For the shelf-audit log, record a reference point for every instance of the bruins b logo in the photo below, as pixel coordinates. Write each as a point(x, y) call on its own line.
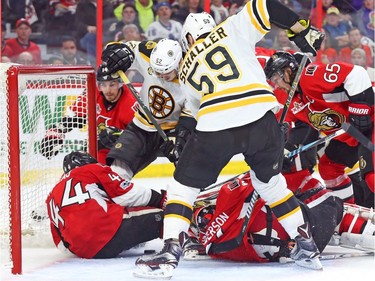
point(161, 102)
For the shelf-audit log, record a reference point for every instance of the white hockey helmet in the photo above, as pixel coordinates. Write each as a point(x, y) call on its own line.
point(196, 24)
point(166, 56)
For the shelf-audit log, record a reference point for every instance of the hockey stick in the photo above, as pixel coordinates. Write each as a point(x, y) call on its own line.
point(293, 88)
point(355, 133)
point(333, 256)
point(141, 103)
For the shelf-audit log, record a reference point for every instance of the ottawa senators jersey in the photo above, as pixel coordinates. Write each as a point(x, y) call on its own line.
point(86, 208)
point(327, 90)
point(165, 100)
point(222, 74)
point(118, 114)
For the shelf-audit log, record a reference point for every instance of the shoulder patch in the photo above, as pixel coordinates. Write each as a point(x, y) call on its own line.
point(146, 47)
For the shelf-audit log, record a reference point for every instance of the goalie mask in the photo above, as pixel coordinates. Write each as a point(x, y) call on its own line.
point(196, 25)
point(166, 56)
point(77, 159)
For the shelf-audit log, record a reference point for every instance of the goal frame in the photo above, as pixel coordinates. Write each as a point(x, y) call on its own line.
point(14, 138)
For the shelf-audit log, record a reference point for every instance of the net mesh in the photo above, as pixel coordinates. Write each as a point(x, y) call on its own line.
point(45, 100)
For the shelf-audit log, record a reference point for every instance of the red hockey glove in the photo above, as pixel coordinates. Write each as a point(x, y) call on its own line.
point(51, 143)
point(118, 56)
point(309, 40)
point(360, 116)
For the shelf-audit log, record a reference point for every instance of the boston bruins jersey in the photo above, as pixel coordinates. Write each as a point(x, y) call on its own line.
point(165, 100)
point(222, 74)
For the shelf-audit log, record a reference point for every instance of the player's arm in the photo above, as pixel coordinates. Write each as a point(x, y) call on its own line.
point(300, 31)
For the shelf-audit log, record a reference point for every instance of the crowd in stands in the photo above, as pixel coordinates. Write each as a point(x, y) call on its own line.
point(67, 28)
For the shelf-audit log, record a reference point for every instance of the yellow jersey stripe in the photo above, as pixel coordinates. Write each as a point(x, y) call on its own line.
point(175, 216)
point(253, 19)
point(236, 90)
point(238, 103)
point(180, 203)
point(261, 5)
point(290, 213)
point(164, 126)
point(286, 198)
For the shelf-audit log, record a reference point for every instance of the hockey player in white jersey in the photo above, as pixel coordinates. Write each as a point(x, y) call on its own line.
point(140, 143)
point(235, 114)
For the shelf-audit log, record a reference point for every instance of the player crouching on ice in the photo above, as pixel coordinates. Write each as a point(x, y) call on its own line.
point(94, 213)
point(218, 225)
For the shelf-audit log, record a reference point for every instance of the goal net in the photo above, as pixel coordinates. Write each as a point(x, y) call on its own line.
point(32, 100)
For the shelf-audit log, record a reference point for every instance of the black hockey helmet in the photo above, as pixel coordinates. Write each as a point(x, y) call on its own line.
point(77, 159)
point(100, 76)
point(278, 62)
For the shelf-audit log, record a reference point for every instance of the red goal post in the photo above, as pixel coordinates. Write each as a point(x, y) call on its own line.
point(33, 99)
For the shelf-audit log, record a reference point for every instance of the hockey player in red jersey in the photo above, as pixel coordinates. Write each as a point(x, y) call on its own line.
point(218, 222)
point(115, 108)
point(327, 96)
point(94, 213)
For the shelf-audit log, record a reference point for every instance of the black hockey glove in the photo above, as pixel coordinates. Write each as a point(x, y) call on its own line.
point(176, 151)
point(118, 56)
point(309, 40)
point(109, 136)
point(158, 199)
point(288, 163)
point(51, 143)
point(360, 116)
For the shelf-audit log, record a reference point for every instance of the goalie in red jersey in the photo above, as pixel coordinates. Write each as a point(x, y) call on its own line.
point(94, 213)
point(115, 108)
point(327, 96)
point(218, 223)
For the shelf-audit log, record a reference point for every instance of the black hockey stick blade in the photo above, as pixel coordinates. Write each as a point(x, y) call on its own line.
point(355, 133)
point(125, 79)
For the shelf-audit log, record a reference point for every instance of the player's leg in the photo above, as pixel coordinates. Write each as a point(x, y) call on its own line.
point(264, 155)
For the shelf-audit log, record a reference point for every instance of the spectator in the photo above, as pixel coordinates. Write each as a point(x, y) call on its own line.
point(25, 58)
point(129, 15)
point(355, 42)
point(365, 19)
point(5, 59)
point(145, 12)
point(337, 29)
point(313, 15)
point(69, 52)
point(22, 43)
point(55, 60)
point(85, 21)
point(129, 32)
point(358, 57)
point(282, 42)
point(4, 47)
point(164, 27)
point(220, 13)
point(328, 54)
point(60, 19)
point(191, 6)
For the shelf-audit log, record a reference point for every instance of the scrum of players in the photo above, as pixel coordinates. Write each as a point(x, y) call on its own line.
point(217, 97)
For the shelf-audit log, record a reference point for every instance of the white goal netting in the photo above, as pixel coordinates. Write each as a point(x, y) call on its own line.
point(44, 99)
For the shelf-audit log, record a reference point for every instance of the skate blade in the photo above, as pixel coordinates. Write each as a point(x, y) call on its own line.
point(194, 256)
point(314, 263)
point(165, 272)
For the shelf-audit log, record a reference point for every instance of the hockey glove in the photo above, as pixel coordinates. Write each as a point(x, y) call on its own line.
point(158, 199)
point(309, 40)
point(109, 136)
point(118, 56)
point(288, 163)
point(360, 116)
point(51, 143)
point(175, 153)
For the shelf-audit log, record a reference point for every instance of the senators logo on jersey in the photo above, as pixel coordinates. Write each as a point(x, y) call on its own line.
point(326, 120)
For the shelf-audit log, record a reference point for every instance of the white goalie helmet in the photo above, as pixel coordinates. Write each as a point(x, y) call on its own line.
point(196, 24)
point(166, 56)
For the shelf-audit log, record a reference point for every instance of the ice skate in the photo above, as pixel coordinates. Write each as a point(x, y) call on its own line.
point(192, 248)
point(305, 252)
point(160, 265)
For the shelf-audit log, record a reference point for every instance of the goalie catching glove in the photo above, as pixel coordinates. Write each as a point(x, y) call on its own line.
point(51, 143)
point(117, 56)
point(308, 40)
point(109, 136)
